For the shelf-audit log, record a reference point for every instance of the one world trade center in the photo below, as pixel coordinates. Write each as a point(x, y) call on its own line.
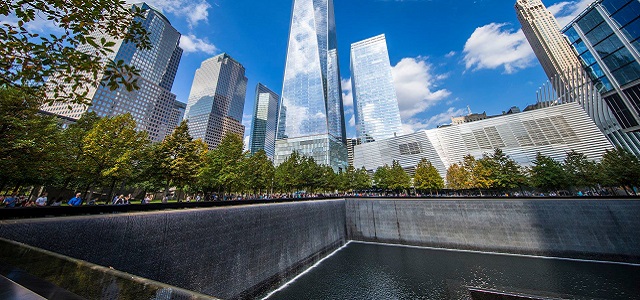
point(311, 115)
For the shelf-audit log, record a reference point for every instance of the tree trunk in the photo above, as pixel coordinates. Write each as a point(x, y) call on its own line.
point(113, 186)
point(16, 188)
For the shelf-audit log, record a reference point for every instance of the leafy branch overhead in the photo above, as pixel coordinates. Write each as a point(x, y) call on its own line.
point(30, 60)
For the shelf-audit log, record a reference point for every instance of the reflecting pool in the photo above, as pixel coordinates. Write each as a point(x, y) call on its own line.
point(377, 271)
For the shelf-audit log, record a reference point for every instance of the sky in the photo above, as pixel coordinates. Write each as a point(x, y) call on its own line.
point(446, 56)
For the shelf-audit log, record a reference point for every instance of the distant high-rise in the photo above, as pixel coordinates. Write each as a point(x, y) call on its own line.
point(374, 97)
point(265, 116)
point(216, 100)
point(541, 30)
point(351, 143)
point(311, 118)
point(606, 37)
point(151, 105)
point(177, 114)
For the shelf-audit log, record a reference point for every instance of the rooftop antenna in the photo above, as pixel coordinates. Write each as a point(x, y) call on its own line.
point(469, 109)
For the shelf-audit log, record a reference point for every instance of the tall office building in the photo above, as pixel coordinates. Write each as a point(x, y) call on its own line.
point(351, 144)
point(264, 123)
point(374, 97)
point(152, 104)
point(176, 116)
point(216, 100)
point(541, 30)
point(311, 118)
point(606, 37)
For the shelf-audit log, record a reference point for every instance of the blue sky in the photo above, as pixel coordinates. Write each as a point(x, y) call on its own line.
point(446, 55)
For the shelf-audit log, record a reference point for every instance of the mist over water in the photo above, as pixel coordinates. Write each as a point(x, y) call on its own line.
point(375, 271)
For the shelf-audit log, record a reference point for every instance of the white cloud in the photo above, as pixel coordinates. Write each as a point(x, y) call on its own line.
point(493, 46)
point(194, 11)
point(415, 83)
point(347, 96)
point(413, 125)
point(38, 25)
point(190, 43)
point(352, 121)
point(567, 10)
point(450, 54)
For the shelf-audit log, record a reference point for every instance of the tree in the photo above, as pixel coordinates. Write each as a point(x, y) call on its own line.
point(548, 174)
point(260, 172)
point(398, 178)
point(427, 177)
point(458, 178)
point(178, 158)
point(581, 171)
point(622, 168)
point(71, 157)
point(28, 59)
point(480, 171)
point(505, 172)
point(29, 141)
point(381, 178)
point(361, 179)
point(287, 176)
point(111, 149)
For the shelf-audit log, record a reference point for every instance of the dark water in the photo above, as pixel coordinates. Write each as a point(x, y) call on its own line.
point(372, 271)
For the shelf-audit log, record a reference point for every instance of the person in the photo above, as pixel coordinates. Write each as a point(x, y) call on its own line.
point(75, 201)
point(10, 201)
point(146, 200)
point(118, 200)
point(42, 200)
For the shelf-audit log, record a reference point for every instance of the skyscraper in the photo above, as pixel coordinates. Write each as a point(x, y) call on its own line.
point(216, 100)
point(264, 123)
point(151, 105)
point(311, 118)
point(176, 116)
point(606, 37)
point(541, 30)
point(374, 97)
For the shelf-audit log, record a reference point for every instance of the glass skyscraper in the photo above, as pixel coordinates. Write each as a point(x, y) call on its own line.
point(264, 123)
point(311, 118)
point(374, 97)
point(216, 100)
point(151, 106)
point(606, 37)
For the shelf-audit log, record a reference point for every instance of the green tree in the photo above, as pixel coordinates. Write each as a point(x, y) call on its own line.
point(71, 157)
point(548, 174)
point(427, 177)
point(178, 158)
point(361, 179)
point(287, 176)
point(581, 171)
point(112, 148)
point(28, 58)
point(505, 173)
point(381, 178)
point(223, 168)
point(398, 179)
point(260, 172)
point(621, 168)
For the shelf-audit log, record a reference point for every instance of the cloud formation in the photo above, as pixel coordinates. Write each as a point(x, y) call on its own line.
point(498, 45)
point(190, 43)
point(492, 46)
point(347, 96)
point(193, 11)
point(413, 125)
point(416, 86)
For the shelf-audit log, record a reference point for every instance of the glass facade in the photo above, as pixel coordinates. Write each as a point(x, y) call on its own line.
point(152, 105)
point(216, 100)
point(374, 97)
point(263, 125)
point(606, 37)
point(311, 106)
